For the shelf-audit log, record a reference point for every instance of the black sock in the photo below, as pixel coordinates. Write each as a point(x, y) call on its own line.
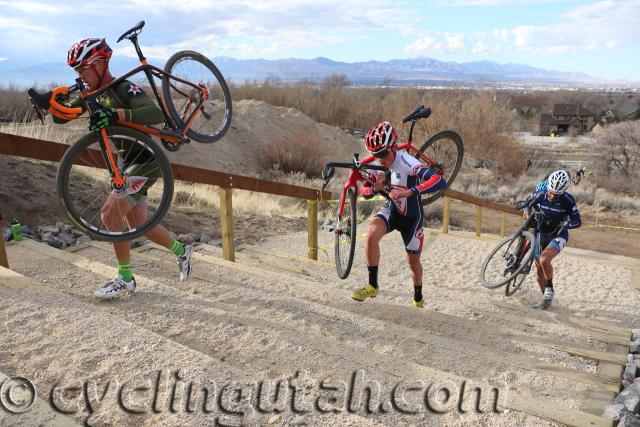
point(549, 284)
point(373, 276)
point(417, 293)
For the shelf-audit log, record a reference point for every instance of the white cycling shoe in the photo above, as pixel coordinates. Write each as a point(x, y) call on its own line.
point(115, 287)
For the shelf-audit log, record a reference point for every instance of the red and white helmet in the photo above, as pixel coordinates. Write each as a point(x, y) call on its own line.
point(88, 51)
point(380, 138)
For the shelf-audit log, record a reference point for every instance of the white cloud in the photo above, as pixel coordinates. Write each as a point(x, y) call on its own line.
point(479, 48)
point(3, 58)
point(454, 41)
point(584, 28)
point(501, 34)
point(423, 45)
point(436, 42)
point(490, 2)
point(269, 26)
point(16, 24)
point(33, 7)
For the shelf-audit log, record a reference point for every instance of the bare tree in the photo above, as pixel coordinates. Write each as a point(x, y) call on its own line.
point(618, 151)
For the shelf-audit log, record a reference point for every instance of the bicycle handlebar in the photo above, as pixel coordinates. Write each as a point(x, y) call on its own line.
point(330, 168)
point(44, 103)
point(352, 165)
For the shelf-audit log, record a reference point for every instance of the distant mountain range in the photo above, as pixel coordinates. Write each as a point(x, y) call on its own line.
point(417, 71)
point(397, 71)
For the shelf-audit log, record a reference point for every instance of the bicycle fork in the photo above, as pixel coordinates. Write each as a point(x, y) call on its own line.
point(118, 181)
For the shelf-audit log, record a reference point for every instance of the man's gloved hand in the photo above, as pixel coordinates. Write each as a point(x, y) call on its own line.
point(102, 118)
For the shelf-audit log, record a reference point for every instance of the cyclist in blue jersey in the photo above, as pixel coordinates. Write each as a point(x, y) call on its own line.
point(560, 214)
point(403, 211)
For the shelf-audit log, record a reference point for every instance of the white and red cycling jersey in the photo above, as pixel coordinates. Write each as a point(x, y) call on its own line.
point(408, 172)
point(405, 214)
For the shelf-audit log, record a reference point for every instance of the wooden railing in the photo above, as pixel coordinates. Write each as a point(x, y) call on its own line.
point(480, 204)
point(14, 145)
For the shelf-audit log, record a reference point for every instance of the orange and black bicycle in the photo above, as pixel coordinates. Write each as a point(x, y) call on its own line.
point(122, 160)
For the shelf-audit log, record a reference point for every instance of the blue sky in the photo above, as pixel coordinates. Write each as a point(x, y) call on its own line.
point(601, 38)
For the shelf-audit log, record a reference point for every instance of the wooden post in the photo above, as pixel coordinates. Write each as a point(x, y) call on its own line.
point(445, 215)
point(312, 229)
point(226, 218)
point(478, 220)
point(4, 261)
point(502, 224)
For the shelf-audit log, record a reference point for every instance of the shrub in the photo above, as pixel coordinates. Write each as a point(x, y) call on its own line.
point(297, 153)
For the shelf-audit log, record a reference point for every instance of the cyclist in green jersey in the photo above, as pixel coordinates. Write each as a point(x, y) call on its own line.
point(126, 101)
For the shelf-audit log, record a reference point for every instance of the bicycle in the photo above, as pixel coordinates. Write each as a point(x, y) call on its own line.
point(521, 249)
point(132, 160)
point(452, 150)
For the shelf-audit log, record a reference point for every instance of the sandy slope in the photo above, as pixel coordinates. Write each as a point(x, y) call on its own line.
point(226, 324)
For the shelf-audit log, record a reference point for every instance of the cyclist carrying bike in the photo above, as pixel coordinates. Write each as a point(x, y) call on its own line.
point(403, 211)
point(560, 214)
point(126, 101)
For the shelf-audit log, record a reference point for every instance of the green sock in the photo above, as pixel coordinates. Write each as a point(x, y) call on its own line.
point(177, 248)
point(124, 269)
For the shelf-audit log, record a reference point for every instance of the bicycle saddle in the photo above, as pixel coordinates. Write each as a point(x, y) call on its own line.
point(421, 112)
point(133, 32)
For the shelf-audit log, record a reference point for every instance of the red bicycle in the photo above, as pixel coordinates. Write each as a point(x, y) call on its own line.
point(446, 146)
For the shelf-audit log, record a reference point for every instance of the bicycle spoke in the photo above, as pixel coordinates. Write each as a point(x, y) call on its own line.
point(87, 186)
point(509, 259)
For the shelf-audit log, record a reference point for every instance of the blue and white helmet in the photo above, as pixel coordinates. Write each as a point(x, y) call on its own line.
point(558, 181)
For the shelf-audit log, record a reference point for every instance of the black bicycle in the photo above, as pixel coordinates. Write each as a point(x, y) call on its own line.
point(510, 262)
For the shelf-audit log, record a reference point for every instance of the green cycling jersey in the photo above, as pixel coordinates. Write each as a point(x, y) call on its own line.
point(137, 106)
point(137, 162)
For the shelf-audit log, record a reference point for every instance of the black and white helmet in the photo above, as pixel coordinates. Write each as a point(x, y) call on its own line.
point(558, 181)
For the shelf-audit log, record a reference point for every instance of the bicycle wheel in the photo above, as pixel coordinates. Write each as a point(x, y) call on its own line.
point(214, 119)
point(506, 260)
point(84, 184)
point(514, 285)
point(447, 149)
point(345, 245)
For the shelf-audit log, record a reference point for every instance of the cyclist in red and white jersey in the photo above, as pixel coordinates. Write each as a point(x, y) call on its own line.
point(408, 179)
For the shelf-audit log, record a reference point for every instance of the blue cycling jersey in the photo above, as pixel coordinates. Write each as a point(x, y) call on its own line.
point(556, 212)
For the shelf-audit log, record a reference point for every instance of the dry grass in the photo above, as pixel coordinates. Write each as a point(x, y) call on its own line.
point(15, 105)
point(299, 152)
point(49, 131)
point(480, 118)
point(205, 198)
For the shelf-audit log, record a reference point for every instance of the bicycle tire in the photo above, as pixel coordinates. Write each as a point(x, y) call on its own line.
point(171, 97)
point(526, 260)
point(516, 283)
point(450, 178)
point(343, 269)
point(78, 154)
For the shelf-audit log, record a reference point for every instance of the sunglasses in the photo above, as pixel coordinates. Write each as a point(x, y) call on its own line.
point(553, 195)
point(381, 154)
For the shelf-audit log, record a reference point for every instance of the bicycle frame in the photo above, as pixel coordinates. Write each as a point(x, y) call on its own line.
point(355, 176)
point(150, 71)
point(537, 216)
